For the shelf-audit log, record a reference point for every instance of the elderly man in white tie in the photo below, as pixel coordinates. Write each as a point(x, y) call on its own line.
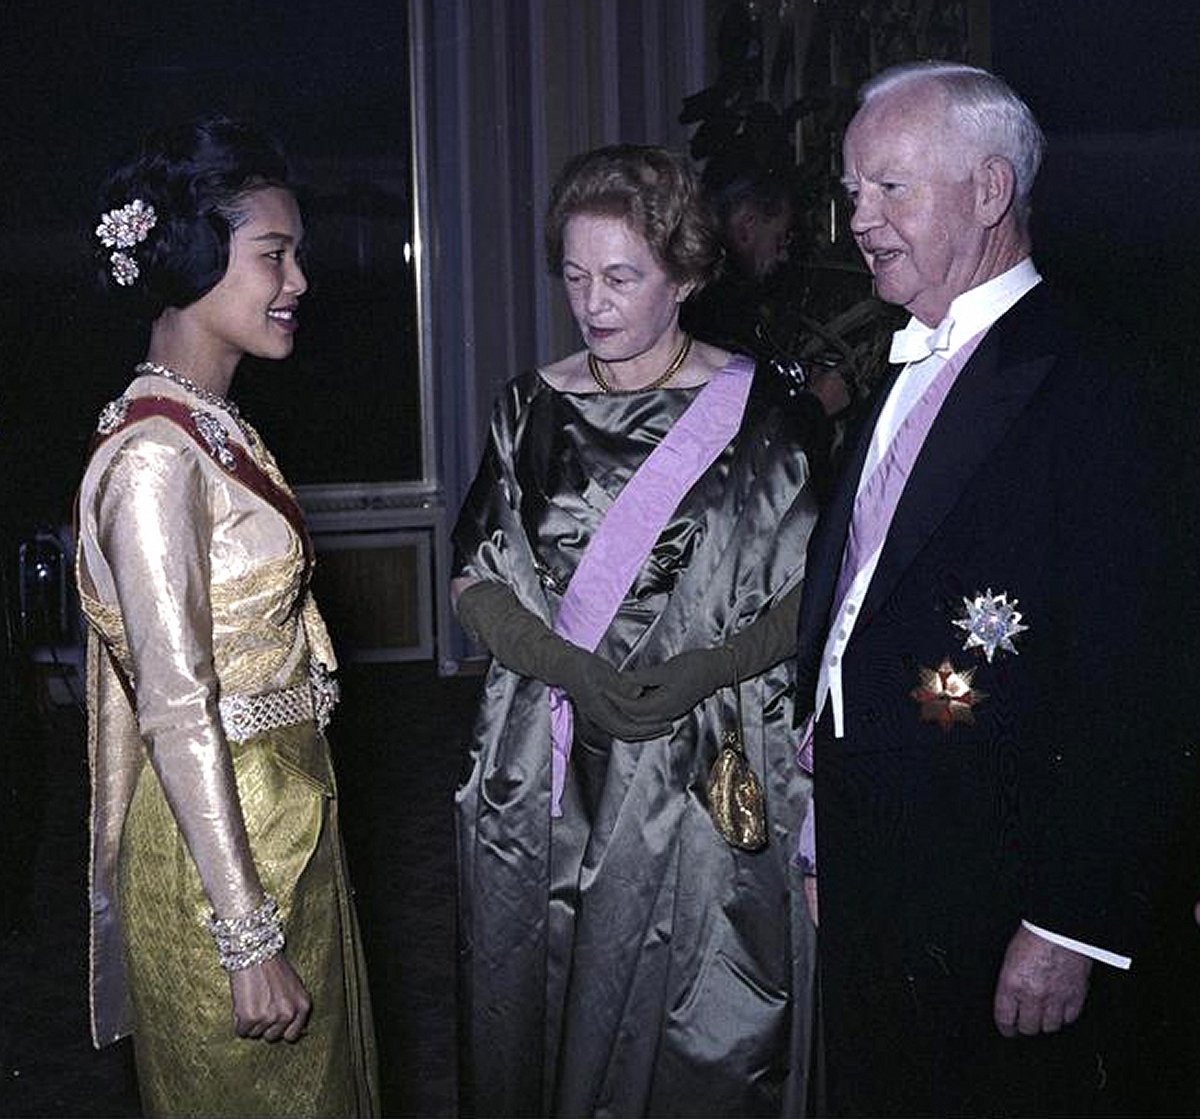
point(980, 628)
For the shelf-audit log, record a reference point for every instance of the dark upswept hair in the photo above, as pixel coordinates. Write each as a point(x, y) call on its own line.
point(196, 176)
point(655, 191)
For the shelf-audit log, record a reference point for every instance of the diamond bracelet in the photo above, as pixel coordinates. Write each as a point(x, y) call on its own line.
point(250, 939)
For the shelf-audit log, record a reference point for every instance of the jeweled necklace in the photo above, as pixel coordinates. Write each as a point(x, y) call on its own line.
point(209, 397)
point(676, 364)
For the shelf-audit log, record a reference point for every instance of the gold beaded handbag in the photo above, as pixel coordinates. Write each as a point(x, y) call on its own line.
point(735, 794)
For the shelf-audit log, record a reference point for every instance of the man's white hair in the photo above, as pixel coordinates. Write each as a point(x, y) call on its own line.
point(985, 107)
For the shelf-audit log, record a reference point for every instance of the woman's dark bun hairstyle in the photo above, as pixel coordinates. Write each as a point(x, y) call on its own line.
point(195, 176)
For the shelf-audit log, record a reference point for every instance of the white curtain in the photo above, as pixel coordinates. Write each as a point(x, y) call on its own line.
point(514, 88)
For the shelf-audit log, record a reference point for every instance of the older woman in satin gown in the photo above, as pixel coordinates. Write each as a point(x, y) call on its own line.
point(633, 940)
point(224, 935)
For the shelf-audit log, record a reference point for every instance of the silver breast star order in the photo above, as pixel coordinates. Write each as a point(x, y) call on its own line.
point(991, 623)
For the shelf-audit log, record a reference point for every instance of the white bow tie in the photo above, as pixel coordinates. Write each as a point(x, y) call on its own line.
point(917, 341)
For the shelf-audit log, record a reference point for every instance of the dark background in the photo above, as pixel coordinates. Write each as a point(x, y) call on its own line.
point(1116, 85)
point(79, 82)
point(1097, 65)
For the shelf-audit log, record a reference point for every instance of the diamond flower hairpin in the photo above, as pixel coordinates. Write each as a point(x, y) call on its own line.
point(121, 229)
point(127, 225)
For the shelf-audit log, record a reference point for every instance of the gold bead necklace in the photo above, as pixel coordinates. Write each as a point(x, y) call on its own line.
point(677, 361)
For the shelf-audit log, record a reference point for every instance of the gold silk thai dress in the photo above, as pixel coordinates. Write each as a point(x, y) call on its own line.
point(193, 569)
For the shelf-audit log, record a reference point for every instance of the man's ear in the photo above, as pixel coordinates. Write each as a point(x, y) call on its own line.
point(995, 189)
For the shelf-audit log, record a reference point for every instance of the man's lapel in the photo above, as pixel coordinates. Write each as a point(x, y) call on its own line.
point(988, 396)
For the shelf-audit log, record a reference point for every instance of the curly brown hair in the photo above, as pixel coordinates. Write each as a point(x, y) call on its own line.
point(655, 191)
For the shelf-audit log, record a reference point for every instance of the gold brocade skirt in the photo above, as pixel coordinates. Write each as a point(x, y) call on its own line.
point(189, 1061)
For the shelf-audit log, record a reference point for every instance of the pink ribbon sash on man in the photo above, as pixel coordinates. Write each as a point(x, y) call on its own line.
point(874, 508)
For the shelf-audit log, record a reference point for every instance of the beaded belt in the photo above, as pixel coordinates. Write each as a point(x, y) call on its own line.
point(244, 716)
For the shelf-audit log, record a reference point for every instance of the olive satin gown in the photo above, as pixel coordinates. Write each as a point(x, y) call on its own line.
point(623, 959)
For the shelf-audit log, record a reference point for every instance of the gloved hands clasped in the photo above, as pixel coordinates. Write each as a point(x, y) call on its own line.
point(521, 641)
point(638, 704)
point(673, 688)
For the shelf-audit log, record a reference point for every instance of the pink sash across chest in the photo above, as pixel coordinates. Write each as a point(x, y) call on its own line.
point(636, 519)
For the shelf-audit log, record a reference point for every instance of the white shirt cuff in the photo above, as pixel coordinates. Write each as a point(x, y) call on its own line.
point(1101, 954)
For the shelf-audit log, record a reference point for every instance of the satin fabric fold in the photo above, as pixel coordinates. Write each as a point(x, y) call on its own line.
point(634, 522)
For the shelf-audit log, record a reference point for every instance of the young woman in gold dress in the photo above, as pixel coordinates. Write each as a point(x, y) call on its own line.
point(223, 933)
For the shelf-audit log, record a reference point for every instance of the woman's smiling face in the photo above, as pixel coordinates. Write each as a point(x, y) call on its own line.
point(252, 310)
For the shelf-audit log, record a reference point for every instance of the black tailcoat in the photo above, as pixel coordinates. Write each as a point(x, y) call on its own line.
point(1040, 479)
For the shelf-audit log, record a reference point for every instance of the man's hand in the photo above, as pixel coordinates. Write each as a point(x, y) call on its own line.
point(269, 1001)
point(1041, 986)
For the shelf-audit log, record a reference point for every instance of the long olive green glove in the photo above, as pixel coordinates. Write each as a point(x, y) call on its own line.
point(522, 642)
point(678, 684)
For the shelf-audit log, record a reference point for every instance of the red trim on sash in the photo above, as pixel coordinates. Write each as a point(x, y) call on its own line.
point(244, 469)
